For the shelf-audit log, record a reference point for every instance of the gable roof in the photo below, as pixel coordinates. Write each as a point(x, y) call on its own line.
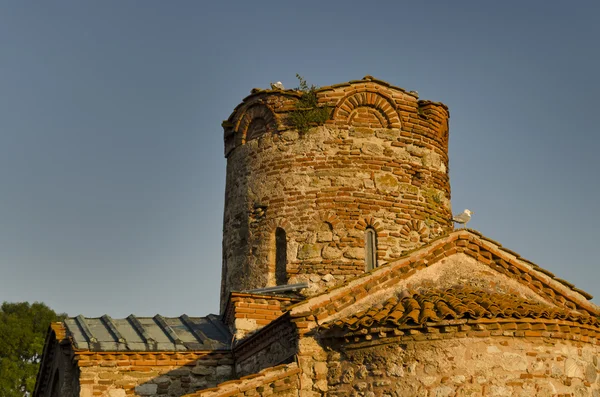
point(156, 333)
point(430, 307)
point(486, 251)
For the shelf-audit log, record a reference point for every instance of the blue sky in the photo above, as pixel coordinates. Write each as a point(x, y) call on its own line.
point(111, 157)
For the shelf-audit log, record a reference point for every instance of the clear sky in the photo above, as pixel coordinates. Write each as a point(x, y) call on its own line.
point(111, 151)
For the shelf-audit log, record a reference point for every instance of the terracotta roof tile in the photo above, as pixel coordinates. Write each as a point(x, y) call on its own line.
point(465, 241)
point(432, 306)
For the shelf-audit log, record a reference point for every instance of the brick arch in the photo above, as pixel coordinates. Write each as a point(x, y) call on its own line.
point(328, 217)
point(415, 229)
point(386, 110)
point(273, 224)
point(254, 121)
point(369, 221)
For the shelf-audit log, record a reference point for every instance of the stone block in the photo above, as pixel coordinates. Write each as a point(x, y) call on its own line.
point(146, 389)
point(386, 183)
point(590, 373)
point(572, 369)
point(354, 253)
point(443, 391)
point(223, 371)
point(331, 253)
point(372, 149)
point(324, 237)
point(309, 251)
point(204, 371)
point(328, 277)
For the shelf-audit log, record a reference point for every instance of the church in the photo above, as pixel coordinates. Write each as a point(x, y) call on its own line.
point(343, 275)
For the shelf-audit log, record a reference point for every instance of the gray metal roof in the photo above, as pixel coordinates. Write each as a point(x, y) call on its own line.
point(156, 333)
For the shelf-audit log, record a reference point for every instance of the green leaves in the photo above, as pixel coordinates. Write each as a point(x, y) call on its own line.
point(23, 330)
point(307, 112)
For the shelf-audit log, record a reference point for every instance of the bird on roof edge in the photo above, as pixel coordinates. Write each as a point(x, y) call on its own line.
point(463, 218)
point(277, 86)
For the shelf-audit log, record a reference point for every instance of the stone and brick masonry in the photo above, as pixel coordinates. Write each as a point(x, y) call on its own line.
point(381, 161)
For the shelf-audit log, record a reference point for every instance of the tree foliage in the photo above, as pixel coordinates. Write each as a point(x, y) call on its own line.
point(308, 112)
point(23, 328)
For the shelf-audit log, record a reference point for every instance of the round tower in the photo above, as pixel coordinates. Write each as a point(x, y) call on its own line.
point(329, 202)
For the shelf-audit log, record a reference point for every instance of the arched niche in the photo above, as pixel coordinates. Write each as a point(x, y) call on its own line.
point(368, 109)
point(255, 121)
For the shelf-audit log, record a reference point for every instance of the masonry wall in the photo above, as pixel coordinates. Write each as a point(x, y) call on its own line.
point(280, 381)
point(247, 313)
point(151, 374)
point(493, 366)
point(276, 344)
point(380, 162)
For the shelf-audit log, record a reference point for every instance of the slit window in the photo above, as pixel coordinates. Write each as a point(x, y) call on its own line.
point(280, 257)
point(370, 249)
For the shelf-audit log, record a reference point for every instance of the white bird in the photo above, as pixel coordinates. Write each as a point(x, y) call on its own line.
point(277, 86)
point(463, 218)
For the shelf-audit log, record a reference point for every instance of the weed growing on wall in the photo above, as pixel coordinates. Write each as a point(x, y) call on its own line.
point(307, 112)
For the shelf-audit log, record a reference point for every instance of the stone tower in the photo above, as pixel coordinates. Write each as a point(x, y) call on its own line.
point(330, 203)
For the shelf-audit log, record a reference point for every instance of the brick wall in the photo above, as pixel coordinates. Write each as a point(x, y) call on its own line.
point(151, 374)
point(246, 313)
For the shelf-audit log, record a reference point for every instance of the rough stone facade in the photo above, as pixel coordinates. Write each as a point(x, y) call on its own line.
point(381, 161)
point(503, 365)
point(397, 303)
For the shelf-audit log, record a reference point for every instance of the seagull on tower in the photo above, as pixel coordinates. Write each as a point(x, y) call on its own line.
point(463, 218)
point(277, 86)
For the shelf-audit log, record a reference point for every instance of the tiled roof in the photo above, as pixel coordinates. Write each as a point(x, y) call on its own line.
point(433, 306)
point(148, 333)
point(486, 251)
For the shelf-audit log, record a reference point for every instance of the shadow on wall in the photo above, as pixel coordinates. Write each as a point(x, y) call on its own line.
point(193, 376)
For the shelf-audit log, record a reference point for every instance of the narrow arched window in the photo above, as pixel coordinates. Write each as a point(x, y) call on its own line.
point(280, 257)
point(370, 249)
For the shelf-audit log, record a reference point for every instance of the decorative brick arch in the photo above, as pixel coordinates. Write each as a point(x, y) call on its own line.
point(256, 120)
point(369, 221)
point(371, 104)
point(328, 217)
point(415, 231)
point(273, 224)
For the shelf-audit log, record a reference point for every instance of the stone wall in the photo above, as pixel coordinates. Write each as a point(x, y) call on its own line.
point(380, 162)
point(493, 366)
point(151, 374)
point(276, 344)
point(280, 381)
